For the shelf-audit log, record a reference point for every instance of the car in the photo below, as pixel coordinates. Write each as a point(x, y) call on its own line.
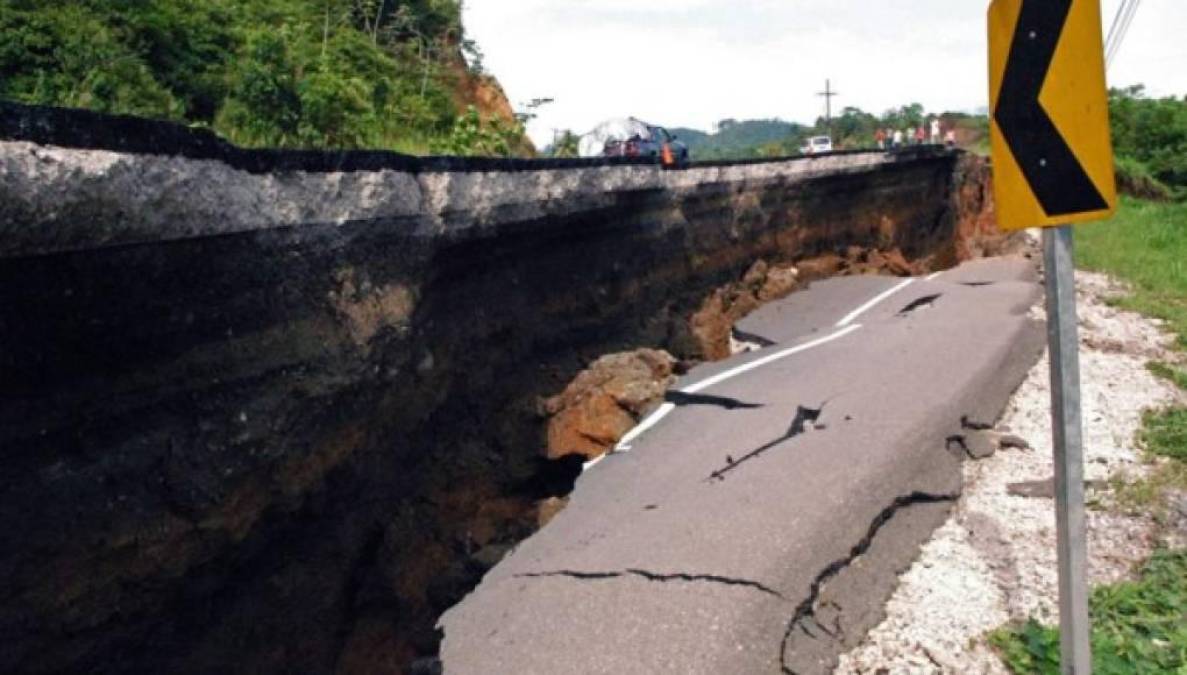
point(647, 140)
point(817, 145)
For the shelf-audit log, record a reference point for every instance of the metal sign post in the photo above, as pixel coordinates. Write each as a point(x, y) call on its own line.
point(1063, 341)
point(1053, 166)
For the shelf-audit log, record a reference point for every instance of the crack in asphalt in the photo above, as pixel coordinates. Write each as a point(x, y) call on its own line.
point(807, 610)
point(803, 417)
point(656, 576)
point(919, 303)
point(743, 336)
point(958, 445)
point(973, 425)
point(681, 399)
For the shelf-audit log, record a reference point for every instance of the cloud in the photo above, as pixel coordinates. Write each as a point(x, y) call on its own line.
point(694, 62)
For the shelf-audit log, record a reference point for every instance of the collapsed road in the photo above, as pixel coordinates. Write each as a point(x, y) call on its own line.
point(275, 411)
point(762, 534)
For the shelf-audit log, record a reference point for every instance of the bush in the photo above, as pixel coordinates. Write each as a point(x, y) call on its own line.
point(1135, 179)
point(470, 136)
point(1152, 131)
point(72, 57)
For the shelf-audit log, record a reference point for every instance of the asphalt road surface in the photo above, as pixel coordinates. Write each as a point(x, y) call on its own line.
point(756, 523)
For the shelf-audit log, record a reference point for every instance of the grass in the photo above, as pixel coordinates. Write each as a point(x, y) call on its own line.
point(1164, 438)
point(1164, 433)
point(1138, 627)
point(1145, 245)
point(1175, 376)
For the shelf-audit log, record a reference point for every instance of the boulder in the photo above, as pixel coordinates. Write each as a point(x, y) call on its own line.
point(605, 401)
point(711, 326)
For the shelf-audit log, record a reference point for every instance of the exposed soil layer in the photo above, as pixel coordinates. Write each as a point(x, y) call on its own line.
point(287, 445)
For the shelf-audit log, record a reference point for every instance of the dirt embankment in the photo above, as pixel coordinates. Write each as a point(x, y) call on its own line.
point(287, 435)
point(484, 92)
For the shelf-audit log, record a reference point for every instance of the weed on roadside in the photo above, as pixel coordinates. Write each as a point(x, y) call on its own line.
point(1146, 246)
point(1138, 627)
point(1169, 373)
point(1164, 439)
point(1164, 433)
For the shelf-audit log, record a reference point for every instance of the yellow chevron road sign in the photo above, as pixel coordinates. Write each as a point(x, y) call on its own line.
point(1049, 113)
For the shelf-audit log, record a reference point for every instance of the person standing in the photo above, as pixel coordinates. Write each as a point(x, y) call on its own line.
point(920, 135)
point(935, 130)
point(880, 138)
point(898, 138)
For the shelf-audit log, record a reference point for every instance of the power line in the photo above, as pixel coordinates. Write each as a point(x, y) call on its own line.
point(1122, 31)
point(1116, 22)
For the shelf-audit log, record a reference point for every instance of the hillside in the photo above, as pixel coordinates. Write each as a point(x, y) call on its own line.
point(285, 73)
point(736, 139)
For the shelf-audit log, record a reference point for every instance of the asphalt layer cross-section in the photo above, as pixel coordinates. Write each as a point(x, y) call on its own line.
point(764, 536)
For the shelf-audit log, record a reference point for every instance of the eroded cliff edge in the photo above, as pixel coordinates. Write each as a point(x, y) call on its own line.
point(270, 411)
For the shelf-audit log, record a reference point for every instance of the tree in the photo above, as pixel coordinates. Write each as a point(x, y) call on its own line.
point(289, 73)
point(566, 145)
point(1152, 132)
point(263, 105)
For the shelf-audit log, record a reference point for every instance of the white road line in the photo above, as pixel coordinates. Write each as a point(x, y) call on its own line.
point(624, 445)
point(771, 358)
point(874, 301)
point(595, 461)
point(933, 277)
point(846, 325)
point(651, 420)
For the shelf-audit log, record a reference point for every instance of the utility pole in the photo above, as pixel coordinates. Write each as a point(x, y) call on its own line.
point(828, 95)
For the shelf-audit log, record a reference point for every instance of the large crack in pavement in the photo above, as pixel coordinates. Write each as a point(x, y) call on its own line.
point(656, 576)
point(682, 399)
point(807, 608)
point(803, 417)
point(752, 338)
point(919, 303)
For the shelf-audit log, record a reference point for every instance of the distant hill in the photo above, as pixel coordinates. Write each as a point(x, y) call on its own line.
point(736, 139)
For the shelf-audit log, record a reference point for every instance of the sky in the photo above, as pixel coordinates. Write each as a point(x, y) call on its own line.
point(691, 63)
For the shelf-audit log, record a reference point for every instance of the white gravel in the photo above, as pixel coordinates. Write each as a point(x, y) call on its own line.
point(993, 561)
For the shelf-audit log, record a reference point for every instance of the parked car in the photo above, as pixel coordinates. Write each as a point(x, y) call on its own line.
point(817, 145)
point(644, 140)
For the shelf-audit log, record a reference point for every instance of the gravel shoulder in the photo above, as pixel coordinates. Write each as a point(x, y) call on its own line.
point(993, 561)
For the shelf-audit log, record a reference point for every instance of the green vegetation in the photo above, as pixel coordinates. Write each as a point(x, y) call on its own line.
point(1138, 627)
point(1169, 373)
point(737, 140)
point(568, 144)
point(855, 128)
point(851, 129)
point(1150, 141)
point(1149, 135)
point(1145, 245)
point(1136, 179)
point(284, 73)
point(1164, 433)
point(1164, 438)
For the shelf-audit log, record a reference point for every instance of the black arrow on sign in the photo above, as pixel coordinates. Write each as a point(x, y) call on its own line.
point(1056, 177)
